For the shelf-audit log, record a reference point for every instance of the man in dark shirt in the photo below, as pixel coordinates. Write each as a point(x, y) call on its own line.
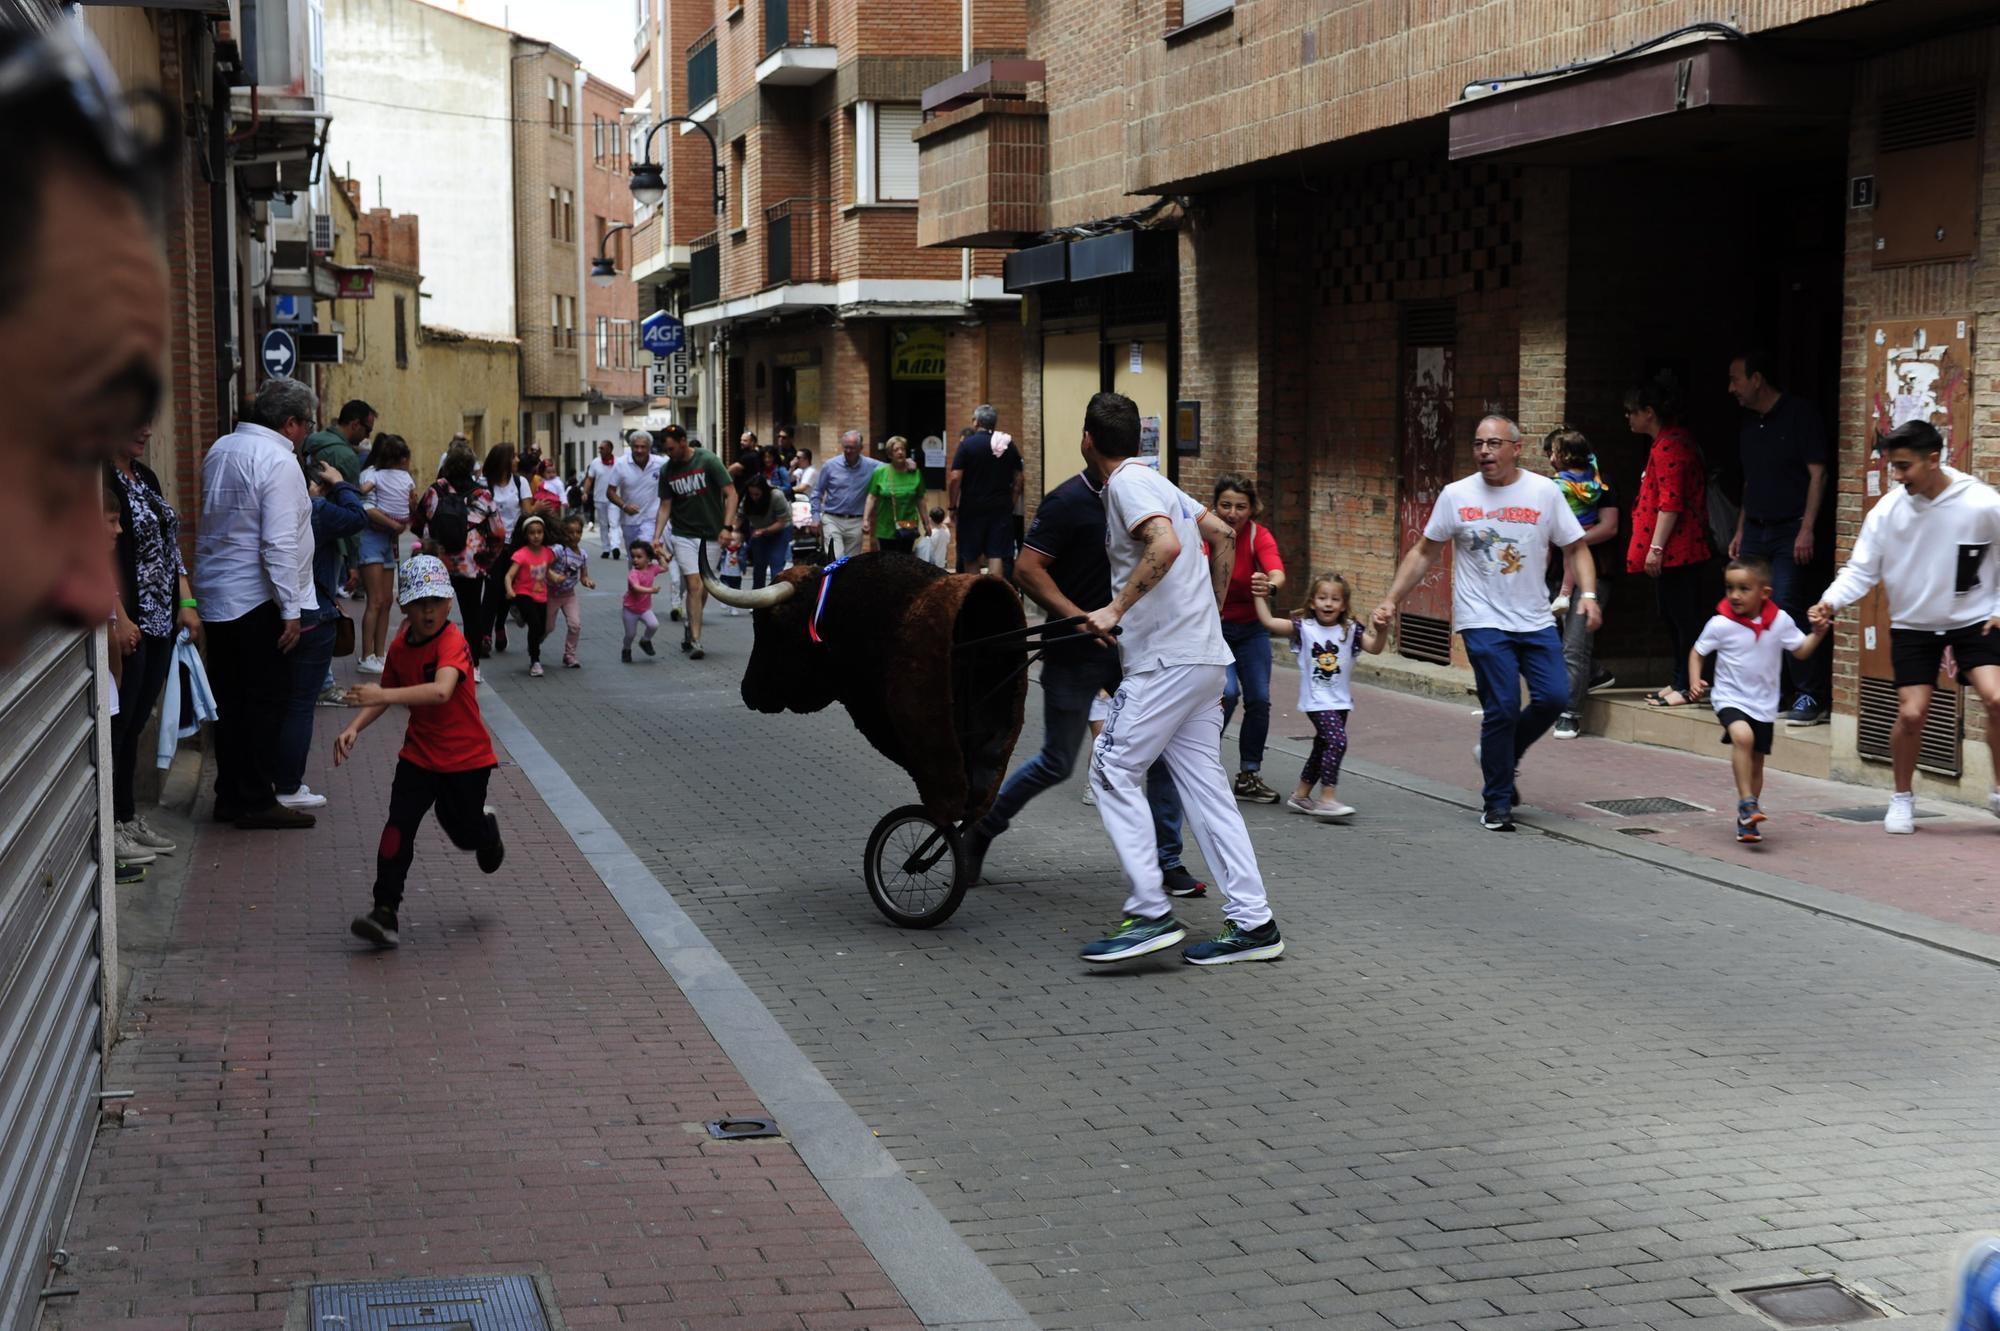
point(982, 488)
point(1783, 449)
point(1064, 567)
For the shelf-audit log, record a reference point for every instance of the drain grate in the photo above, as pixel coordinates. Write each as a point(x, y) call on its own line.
point(1638, 807)
point(1807, 1301)
point(1871, 813)
point(1640, 831)
point(463, 1303)
point(733, 1129)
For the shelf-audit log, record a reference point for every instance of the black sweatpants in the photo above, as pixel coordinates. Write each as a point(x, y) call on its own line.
point(460, 800)
point(1684, 608)
point(535, 614)
point(472, 612)
point(145, 678)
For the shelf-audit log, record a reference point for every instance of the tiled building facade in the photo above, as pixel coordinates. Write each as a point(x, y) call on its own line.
point(1353, 227)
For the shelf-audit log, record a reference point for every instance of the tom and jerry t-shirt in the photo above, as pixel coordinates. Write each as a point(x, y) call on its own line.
point(1502, 536)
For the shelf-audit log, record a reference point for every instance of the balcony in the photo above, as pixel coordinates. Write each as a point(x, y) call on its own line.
point(983, 158)
point(796, 245)
point(701, 77)
point(705, 270)
point(790, 57)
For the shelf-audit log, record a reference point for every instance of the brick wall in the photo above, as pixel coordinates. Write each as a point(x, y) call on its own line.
point(194, 415)
point(984, 173)
point(545, 156)
point(607, 194)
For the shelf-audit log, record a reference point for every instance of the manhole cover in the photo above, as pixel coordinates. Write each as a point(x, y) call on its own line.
point(1808, 1301)
point(1871, 813)
point(465, 1303)
point(1640, 831)
point(1639, 807)
point(732, 1129)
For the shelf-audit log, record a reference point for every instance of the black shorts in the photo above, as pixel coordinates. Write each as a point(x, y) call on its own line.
point(984, 535)
point(1918, 654)
point(1760, 731)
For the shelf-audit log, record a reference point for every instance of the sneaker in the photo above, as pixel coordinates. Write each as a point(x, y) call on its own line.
point(1975, 1304)
point(687, 641)
point(1136, 936)
point(974, 843)
point(333, 697)
point(1297, 805)
point(534, 670)
point(478, 675)
point(129, 873)
point(1498, 819)
point(1603, 679)
point(695, 653)
point(148, 836)
point(674, 614)
point(646, 646)
point(1806, 711)
point(275, 817)
point(572, 664)
point(1333, 809)
point(1568, 726)
point(305, 797)
point(378, 926)
point(614, 554)
point(492, 852)
point(1089, 794)
point(1250, 787)
point(127, 851)
point(1748, 817)
point(1180, 883)
point(369, 665)
point(626, 656)
point(1901, 820)
point(1235, 943)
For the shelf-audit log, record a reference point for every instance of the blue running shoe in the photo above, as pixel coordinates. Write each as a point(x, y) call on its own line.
point(1976, 1302)
point(1135, 936)
point(1236, 943)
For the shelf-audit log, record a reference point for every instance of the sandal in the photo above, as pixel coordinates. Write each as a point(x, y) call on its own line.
point(1660, 698)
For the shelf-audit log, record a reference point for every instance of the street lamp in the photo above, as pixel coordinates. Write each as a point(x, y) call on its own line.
point(649, 184)
point(602, 271)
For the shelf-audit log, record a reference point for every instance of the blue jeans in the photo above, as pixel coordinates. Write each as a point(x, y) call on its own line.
point(1501, 659)
point(1773, 541)
point(768, 555)
point(308, 665)
point(1249, 678)
point(1068, 688)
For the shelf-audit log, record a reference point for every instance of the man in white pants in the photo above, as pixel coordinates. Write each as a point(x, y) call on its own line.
point(634, 490)
point(1166, 599)
point(597, 494)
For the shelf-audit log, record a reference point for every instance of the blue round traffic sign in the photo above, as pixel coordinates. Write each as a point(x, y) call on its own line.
point(280, 355)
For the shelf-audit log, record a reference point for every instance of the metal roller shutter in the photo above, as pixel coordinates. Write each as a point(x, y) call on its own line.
point(51, 1051)
point(897, 167)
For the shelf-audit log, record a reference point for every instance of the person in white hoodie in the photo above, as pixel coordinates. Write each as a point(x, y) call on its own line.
point(1930, 544)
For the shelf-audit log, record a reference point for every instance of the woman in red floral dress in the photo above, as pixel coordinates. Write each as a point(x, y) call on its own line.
point(1670, 523)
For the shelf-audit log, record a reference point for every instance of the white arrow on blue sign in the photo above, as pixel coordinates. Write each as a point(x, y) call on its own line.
point(662, 334)
point(281, 353)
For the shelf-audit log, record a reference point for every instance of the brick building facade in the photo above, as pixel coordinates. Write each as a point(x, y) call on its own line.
point(1356, 228)
point(611, 311)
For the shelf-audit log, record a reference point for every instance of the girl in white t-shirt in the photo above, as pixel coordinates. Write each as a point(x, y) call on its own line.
point(1327, 640)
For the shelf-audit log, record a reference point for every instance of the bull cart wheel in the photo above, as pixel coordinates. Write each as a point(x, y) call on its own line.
point(916, 868)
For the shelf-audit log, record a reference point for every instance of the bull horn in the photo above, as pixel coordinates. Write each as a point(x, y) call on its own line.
point(762, 598)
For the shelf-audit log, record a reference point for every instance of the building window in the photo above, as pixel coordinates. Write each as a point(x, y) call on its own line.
point(603, 342)
point(555, 117)
point(1194, 11)
point(555, 322)
point(566, 122)
point(562, 214)
point(555, 212)
point(402, 335)
point(597, 140)
point(739, 164)
point(896, 153)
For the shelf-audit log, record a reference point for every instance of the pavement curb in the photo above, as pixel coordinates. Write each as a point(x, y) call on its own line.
point(938, 1274)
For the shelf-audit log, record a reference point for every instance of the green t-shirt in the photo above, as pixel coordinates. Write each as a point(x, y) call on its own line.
point(899, 497)
point(332, 446)
point(694, 489)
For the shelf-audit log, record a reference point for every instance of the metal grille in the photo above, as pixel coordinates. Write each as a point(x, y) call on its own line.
point(1943, 748)
point(467, 1303)
point(1921, 122)
point(1815, 1301)
point(1648, 804)
point(1430, 323)
point(1422, 638)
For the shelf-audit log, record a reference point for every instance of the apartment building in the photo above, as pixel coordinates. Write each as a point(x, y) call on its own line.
point(809, 303)
point(616, 393)
point(1317, 240)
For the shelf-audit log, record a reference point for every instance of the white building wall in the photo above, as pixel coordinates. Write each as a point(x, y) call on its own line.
point(441, 148)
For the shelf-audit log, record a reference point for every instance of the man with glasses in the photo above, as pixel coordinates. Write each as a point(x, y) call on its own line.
point(74, 235)
point(1507, 524)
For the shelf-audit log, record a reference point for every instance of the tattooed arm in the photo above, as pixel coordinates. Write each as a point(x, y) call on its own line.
point(1159, 547)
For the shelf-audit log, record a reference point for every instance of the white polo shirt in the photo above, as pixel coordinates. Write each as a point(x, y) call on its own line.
point(1177, 622)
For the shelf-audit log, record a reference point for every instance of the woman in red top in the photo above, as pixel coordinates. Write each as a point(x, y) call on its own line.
point(1670, 523)
point(1248, 639)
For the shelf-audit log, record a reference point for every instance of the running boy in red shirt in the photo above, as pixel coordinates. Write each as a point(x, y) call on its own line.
point(446, 758)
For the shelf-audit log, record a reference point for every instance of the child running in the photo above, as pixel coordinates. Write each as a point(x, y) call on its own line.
point(447, 758)
point(1749, 636)
point(530, 586)
point(569, 567)
point(640, 575)
point(1328, 640)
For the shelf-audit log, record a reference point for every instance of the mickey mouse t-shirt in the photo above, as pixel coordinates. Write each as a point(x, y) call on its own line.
point(1502, 536)
point(449, 736)
point(1326, 664)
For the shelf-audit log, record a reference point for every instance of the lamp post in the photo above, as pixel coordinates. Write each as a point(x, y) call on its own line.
point(602, 271)
point(649, 184)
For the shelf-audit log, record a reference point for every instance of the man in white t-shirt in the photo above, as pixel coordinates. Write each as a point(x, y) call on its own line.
point(1166, 607)
point(634, 488)
point(597, 497)
point(1506, 525)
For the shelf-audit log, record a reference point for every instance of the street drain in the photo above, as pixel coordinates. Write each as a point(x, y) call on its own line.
point(1871, 813)
point(1638, 807)
point(1640, 831)
point(733, 1129)
point(462, 1303)
point(1807, 1301)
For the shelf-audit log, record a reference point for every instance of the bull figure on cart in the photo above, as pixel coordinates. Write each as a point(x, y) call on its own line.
point(929, 666)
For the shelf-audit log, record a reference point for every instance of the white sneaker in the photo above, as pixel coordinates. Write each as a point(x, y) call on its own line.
point(1333, 810)
point(370, 665)
point(127, 851)
point(1901, 820)
point(478, 675)
point(302, 798)
point(1089, 795)
point(1993, 801)
point(149, 837)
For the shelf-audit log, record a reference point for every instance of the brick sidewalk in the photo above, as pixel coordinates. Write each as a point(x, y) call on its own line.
point(520, 1088)
point(1947, 871)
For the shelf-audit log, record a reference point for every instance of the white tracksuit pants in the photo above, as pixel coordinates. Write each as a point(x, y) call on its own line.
point(610, 527)
point(1175, 713)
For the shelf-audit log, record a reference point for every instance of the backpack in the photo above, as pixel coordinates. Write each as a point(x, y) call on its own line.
point(450, 520)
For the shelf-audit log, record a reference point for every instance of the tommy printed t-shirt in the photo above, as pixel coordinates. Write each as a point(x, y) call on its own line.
point(1176, 623)
point(1748, 662)
point(1503, 536)
point(1326, 664)
point(694, 488)
point(449, 736)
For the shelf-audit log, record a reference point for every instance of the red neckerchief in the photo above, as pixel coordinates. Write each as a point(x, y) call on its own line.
point(1765, 618)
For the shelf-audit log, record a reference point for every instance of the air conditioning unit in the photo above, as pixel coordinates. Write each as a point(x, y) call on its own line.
point(322, 240)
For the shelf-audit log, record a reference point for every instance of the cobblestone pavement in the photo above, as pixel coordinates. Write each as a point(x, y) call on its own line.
point(1496, 1082)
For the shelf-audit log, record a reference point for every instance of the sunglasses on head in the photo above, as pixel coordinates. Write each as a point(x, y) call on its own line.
point(66, 60)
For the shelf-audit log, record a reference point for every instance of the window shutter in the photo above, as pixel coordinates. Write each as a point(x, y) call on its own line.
point(1193, 11)
point(897, 160)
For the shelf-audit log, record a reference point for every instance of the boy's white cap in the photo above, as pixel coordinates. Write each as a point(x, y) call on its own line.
point(422, 578)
